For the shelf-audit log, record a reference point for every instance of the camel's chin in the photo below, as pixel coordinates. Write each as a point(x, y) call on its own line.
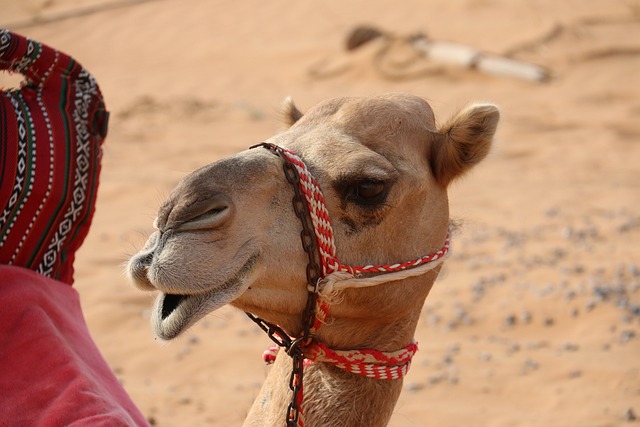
point(173, 314)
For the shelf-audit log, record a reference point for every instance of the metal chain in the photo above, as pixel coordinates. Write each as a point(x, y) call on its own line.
point(292, 348)
point(310, 246)
point(274, 332)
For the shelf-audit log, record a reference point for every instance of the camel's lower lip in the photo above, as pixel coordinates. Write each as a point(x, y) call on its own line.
point(173, 313)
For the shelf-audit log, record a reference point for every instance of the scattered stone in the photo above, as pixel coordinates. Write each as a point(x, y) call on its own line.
point(434, 319)
point(536, 345)
point(497, 278)
point(559, 253)
point(182, 352)
point(525, 317)
point(435, 379)
point(549, 321)
point(601, 293)
point(514, 239)
point(468, 320)
point(454, 348)
point(575, 374)
point(152, 420)
point(451, 325)
point(460, 313)
point(629, 415)
point(448, 359)
point(569, 295)
point(590, 305)
point(574, 312)
point(626, 336)
point(628, 225)
point(549, 288)
point(413, 387)
point(529, 365)
point(478, 289)
point(552, 212)
point(570, 347)
point(513, 348)
point(453, 375)
point(485, 356)
point(532, 364)
point(510, 320)
point(193, 339)
point(634, 309)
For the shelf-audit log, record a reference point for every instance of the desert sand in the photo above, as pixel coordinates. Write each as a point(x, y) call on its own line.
point(535, 320)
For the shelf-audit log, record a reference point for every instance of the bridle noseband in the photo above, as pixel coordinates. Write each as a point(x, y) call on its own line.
point(326, 275)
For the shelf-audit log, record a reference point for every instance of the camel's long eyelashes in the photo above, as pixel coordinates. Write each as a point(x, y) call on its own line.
point(369, 192)
point(364, 192)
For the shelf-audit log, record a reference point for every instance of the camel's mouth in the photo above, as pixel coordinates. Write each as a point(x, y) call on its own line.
point(169, 304)
point(174, 313)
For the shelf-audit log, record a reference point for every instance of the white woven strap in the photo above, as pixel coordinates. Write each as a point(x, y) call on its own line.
point(339, 280)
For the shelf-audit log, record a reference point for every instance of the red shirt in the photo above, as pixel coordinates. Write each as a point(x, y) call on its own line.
point(51, 130)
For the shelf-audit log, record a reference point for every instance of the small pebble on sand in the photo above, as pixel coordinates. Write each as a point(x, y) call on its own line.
point(575, 374)
point(510, 320)
point(626, 336)
point(570, 347)
point(630, 415)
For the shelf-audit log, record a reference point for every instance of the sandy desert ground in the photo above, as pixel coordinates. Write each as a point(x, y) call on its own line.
point(535, 320)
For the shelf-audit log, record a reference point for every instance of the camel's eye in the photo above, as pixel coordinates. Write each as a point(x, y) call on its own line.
point(368, 192)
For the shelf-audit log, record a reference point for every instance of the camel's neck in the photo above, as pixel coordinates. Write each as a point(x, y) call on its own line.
point(332, 396)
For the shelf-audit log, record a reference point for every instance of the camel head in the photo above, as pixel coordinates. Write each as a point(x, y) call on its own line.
point(228, 234)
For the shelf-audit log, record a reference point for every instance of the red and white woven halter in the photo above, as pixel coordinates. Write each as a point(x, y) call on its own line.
point(324, 232)
point(336, 276)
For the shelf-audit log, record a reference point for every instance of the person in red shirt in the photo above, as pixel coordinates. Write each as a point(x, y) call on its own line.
point(51, 132)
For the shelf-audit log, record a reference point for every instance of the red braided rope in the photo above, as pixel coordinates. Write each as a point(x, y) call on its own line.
point(382, 365)
point(385, 365)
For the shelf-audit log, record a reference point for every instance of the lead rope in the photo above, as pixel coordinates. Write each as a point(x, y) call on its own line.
point(323, 282)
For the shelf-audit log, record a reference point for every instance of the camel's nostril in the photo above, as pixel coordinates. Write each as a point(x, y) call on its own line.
point(210, 217)
point(213, 213)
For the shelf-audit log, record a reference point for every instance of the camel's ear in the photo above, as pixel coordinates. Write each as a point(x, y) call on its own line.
point(290, 112)
point(463, 142)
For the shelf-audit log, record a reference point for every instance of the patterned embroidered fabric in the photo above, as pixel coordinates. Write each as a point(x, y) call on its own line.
point(51, 131)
